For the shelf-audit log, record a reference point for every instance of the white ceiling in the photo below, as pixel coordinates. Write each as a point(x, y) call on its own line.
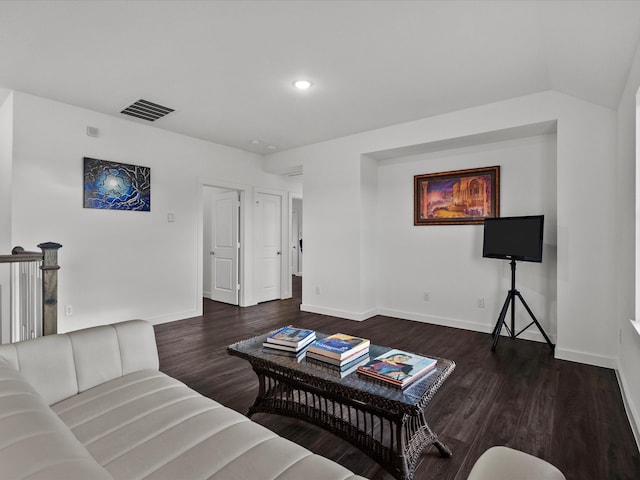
point(226, 67)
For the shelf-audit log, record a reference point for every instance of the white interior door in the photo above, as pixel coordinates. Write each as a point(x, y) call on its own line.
point(224, 248)
point(269, 246)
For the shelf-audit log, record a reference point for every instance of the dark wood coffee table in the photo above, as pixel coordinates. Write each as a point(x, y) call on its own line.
point(386, 423)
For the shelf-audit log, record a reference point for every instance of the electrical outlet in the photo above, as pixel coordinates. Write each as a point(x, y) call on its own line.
point(480, 302)
point(317, 290)
point(426, 296)
point(68, 310)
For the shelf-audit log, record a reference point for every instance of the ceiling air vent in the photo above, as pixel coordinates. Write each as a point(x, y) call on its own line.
point(147, 110)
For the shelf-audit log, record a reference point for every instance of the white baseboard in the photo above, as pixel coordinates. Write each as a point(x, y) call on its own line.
point(629, 406)
point(586, 358)
point(417, 317)
point(530, 334)
point(359, 317)
point(442, 321)
point(173, 317)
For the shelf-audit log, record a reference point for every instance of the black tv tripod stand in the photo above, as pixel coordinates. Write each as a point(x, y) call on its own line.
point(511, 300)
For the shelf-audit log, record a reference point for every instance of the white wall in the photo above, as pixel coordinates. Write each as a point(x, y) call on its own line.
point(628, 245)
point(371, 247)
point(586, 198)
point(6, 153)
point(118, 265)
point(446, 261)
point(332, 235)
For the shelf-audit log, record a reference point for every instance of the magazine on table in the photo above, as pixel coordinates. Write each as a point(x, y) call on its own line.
point(398, 368)
point(292, 336)
point(339, 346)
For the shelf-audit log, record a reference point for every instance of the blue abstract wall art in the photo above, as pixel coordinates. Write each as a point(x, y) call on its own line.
point(116, 186)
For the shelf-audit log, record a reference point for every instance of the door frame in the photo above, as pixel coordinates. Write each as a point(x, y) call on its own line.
point(245, 294)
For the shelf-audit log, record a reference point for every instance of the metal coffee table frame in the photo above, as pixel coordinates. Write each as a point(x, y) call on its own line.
point(386, 423)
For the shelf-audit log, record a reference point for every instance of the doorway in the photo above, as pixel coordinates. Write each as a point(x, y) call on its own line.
point(262, 264)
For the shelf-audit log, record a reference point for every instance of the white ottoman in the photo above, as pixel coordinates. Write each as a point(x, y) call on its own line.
point(503, 463)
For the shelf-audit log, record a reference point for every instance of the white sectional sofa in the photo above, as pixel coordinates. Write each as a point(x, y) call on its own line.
point(92, 404)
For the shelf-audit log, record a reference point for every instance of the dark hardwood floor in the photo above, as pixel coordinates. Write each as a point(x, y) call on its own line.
point(520, 396)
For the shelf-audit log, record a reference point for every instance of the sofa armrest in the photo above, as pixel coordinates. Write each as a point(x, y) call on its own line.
point(59, 366)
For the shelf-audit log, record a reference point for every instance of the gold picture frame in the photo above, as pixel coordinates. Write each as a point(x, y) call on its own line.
point(460, 197)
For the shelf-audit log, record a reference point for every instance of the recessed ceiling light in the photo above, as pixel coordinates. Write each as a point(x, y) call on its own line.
point(302, 84)
point(255, 142)
point(271, 147)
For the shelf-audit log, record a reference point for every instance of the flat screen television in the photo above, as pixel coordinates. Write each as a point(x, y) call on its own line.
point(514, 238)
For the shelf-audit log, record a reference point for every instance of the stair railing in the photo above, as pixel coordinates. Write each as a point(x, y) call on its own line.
point(33, 291)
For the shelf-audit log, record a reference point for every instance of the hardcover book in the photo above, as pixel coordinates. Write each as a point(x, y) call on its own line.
point(292, 336)
point(297, 355)
point(342, 371)
point(286, 348)
point(398, 368)
point(339, 346)
point(337, 364)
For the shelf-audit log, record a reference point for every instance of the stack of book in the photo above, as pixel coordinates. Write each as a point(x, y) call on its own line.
point(398, 368)
point(290, 341)
point(343, 353)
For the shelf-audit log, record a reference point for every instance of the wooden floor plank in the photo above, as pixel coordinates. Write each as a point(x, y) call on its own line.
point(570, 414)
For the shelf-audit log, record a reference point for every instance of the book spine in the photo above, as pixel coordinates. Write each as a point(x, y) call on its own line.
point(338, 354)
point(378, 376)
point(277, 346)
point(379, 380)
point(304, 341)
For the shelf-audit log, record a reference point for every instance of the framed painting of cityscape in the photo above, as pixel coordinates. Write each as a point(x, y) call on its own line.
point(459, 197)
point(116, 186)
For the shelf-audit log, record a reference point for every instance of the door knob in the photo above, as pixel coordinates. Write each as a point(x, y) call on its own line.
point(212, 252)
point(278, 253)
